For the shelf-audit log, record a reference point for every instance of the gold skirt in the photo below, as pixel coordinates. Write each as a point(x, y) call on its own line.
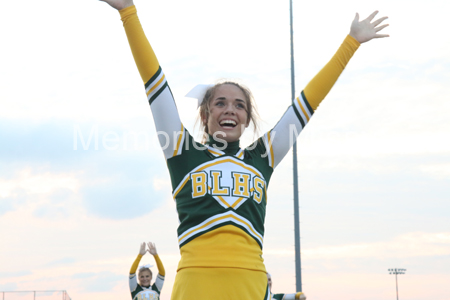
point(220, 284)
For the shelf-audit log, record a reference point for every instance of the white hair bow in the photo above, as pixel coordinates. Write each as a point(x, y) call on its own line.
point(198, 92)
point(148, 266)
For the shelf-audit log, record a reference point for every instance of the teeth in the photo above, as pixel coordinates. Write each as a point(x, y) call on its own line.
point(228, 122)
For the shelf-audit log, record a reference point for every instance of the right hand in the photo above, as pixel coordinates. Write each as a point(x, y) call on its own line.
point(142, 249)
point(119, 4)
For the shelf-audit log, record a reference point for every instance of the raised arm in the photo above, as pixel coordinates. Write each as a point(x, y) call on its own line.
point(159, 281)
point(135, 264)
point(281, 138)
point(160, 98)
point(152, 251)
point(360, 32)
point(132, 280)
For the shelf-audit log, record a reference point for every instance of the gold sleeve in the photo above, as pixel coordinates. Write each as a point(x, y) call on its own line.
point(143, 54)
point(321, 84)
point(160, 266)
point(135, 264)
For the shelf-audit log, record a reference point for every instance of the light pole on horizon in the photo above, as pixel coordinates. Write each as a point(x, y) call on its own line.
point(396, 272)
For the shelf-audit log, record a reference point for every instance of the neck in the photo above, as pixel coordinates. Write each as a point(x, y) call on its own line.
point(223, 145)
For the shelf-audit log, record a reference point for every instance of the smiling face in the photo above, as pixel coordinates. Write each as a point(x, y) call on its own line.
point(145, 277)
point(228, 113)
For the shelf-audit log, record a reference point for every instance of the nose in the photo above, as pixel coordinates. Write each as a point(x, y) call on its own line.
point(230, 109)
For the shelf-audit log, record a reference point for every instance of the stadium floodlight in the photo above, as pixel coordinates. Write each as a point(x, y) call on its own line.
point(396, 272)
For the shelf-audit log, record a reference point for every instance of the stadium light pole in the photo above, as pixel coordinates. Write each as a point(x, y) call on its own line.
point(396, 272)
point(298, 264)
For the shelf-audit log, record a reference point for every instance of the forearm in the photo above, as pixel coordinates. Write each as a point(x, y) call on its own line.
point(143, 54)
point(160, 266)
point(135, 264)
point(321, 84)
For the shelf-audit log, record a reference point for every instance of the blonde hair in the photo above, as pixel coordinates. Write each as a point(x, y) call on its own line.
point(252, 113)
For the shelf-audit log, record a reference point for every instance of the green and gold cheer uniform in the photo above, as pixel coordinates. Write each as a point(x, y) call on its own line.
point(221, 192)
point(152, 292)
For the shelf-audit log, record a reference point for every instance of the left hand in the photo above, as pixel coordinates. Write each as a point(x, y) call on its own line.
point(364, 31)
point(152, 248)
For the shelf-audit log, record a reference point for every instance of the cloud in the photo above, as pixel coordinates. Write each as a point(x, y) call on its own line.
point(43, 164)
point(15, 274)
point(98, 281)
point(56, 205)
point(415, 244)
point(121, 200)
point(12, 199)
point(111, 191)
point(9, 286)
point(46, 194)
point(84, 275)
point(65, 142)
point(6, 204)
point(60, 262)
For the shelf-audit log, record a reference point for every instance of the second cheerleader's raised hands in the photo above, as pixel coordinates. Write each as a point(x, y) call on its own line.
point(151, 249)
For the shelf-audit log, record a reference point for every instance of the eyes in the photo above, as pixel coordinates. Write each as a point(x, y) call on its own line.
point(239, 104)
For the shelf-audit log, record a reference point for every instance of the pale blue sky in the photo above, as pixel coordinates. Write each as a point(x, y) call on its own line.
point(374, 162)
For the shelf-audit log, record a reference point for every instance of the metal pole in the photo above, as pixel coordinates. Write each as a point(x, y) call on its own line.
point(396, 283)
point(396, 272)
point(298, 264)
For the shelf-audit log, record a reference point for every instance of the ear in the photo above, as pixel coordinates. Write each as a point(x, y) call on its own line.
point(204, 118)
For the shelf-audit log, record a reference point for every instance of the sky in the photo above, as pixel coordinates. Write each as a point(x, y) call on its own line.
point(83, 180)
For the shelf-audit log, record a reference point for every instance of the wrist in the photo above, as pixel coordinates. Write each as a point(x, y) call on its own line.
point(125, 5)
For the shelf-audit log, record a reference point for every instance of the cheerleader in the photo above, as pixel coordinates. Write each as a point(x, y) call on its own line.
point(220, 189)
point(146, 290)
